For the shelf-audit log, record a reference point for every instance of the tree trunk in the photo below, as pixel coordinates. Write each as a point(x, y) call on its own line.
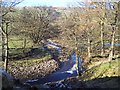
point(112, 44)
point(6, 53)
point(1, 45)
point(3, 42)
point(114, 26)
point(24, 44)
point(77, 54)
point(1, 36)
point(102, 40)
point(3, 48)
point(89, 46)
point(6, 49)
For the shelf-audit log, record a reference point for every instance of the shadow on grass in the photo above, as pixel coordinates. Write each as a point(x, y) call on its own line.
point(107, 82)
point(27, 53)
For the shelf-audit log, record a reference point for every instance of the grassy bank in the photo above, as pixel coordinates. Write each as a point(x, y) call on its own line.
point(107, 69)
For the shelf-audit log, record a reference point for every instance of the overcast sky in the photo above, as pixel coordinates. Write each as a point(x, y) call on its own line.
point(57, 3)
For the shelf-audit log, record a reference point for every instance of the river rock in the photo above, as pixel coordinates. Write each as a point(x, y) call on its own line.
point(34, 70)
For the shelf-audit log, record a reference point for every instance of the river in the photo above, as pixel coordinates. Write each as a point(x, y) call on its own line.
point(68, 69)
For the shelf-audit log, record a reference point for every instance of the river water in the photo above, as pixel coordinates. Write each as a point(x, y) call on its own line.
point(68, 69)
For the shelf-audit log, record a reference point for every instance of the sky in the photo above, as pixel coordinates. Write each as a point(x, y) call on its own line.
point(55, 3)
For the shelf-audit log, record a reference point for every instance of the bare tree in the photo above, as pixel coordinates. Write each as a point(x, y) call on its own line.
point(77, 32)
point(114, 26)
point(6, 7)
point(40, 26)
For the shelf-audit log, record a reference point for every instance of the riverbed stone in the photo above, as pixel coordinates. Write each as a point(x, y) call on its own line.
point(33, 71)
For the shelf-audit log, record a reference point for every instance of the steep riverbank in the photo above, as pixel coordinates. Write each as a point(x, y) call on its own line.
point(32, 70)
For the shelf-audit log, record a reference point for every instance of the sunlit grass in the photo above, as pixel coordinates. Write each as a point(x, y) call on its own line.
point(107, 69)
point(18, 42)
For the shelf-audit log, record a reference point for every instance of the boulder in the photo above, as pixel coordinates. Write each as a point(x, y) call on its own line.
point(7, 81)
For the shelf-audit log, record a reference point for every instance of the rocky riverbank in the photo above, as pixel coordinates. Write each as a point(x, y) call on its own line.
point(32, 70)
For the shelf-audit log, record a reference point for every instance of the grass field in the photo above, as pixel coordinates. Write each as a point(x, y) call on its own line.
point(27, 55)
point(18, 42)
